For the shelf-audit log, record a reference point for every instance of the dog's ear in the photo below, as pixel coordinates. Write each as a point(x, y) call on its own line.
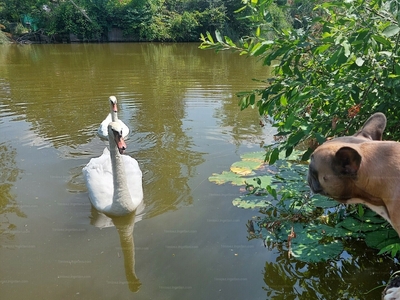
point(346, 162)
point(373, 128)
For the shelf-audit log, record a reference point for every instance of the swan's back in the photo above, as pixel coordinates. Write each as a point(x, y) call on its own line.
point(99, 180)
point(102, 131)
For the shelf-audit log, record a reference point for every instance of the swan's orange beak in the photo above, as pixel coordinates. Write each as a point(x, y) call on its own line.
point(114, 107)
point(121, 145)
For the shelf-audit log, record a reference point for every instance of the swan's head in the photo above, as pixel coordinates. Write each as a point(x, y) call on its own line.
point(115, 133)
point(113, 103)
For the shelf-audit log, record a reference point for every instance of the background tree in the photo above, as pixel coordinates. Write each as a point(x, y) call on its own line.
point(144, 20)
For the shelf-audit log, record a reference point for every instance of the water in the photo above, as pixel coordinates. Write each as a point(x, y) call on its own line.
point(189, 242)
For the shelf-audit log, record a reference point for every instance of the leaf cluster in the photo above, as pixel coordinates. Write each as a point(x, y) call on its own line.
point(327, 77)
point(312, 227)
point(142, 20)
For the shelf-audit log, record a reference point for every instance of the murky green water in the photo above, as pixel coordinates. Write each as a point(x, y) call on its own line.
point(189, 242)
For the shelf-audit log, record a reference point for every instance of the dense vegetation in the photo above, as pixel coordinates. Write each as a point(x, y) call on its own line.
point(336, 67)
point(142, 20)
point(329, 75)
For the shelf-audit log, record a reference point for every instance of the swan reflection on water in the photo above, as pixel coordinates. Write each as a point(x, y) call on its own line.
point(125, 226)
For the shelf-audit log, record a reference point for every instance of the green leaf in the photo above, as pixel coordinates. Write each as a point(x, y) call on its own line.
point(251, 202)
point(289, 122)
point(245, 167)
point(218, 36)
point(210, 38)
point(381, 40)
point(306, 246)
point(391, 30)
point(316, 252)
point(322, 201)
point(360, 210)
point(255, 156)
point(274, 156)
point(321, 49)
point(394, 249)
point(283, 100)
point(225, 177)
point(359, 61)
point(346, 47)
point(379, 239)
point(229, 42)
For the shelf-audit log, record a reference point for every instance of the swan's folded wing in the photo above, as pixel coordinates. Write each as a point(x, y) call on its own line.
point(125, 129)
point(99, 181)
point(103, 128)
point(134, 178)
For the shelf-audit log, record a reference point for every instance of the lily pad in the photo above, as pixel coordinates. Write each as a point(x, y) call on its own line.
point(379, 239)
point(354, 225)
point(317, 251)
point(254, 156)
point(251, 201)
point(307, 245)
point(322, 202)
point(245, 167)
point(225, 177)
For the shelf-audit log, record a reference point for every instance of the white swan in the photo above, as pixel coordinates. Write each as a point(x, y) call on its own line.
point(112, 117)
point(114, 181)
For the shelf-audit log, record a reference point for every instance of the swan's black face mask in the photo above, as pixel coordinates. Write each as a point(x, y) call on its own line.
point(119, 141)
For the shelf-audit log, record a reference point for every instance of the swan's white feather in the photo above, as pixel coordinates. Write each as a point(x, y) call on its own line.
point(103, 128)
point(99, 180)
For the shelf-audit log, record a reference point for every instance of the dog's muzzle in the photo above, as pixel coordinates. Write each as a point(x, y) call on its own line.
point(314, 184)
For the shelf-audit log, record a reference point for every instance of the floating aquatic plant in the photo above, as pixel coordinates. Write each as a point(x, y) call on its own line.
point(312, 227)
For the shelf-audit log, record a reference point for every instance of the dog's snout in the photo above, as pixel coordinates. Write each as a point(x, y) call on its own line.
point(313, 182)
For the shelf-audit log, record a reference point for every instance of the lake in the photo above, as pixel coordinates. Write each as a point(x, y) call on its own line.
point(187, 241)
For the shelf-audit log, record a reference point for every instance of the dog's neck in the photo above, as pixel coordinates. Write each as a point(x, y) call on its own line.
point(361, 193)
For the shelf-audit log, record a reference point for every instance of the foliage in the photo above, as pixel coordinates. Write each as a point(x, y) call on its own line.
point(66, 18)
point(3, 37)
point(313, 227)
point(142, 20)
point(328, 76)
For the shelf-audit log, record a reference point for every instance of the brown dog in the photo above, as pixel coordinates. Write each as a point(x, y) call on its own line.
point(360, 169)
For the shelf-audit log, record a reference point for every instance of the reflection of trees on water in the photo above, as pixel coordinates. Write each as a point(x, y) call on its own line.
point(62, 90)
point(345, 278)
point(9, 174)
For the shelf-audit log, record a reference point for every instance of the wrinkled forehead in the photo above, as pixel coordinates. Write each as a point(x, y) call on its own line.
point(323, 154)
point(348, 140)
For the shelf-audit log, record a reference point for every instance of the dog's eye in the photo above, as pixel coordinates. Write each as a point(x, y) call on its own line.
point(325, 178)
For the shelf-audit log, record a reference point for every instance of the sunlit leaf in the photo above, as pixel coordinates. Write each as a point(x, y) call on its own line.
point(381, 40)
point(218, 36)
point(379, 239)
point(359, 61)
point(245, 167)
point(226, 177)
point(317, 252)
point(322, 201)
point(254, 156)
point(391, 30)
point(251, 201)
point(274, 156)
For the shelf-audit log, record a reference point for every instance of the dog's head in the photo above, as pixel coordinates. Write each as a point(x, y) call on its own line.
point(335, 164)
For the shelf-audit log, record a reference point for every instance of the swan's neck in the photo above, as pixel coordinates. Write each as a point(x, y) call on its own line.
point(122, 201)
point(114, 116)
